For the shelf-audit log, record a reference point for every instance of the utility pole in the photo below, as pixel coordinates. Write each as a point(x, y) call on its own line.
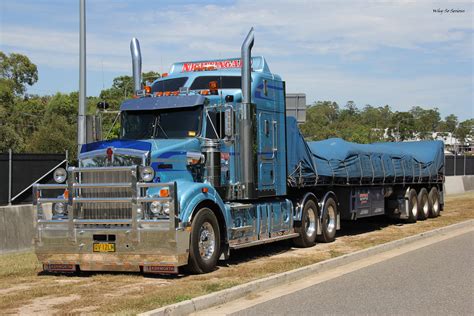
point(81, 118)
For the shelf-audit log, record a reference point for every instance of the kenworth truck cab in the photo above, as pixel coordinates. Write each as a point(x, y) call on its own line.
point(208, 161)
point(200, 153)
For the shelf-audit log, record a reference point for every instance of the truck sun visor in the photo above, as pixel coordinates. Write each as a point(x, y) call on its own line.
point(170, 102)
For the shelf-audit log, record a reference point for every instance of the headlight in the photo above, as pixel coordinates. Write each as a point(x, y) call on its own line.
point(155, 207)
point(59, 208)
point(147, 174)
point(166, 208)
point(60, 175)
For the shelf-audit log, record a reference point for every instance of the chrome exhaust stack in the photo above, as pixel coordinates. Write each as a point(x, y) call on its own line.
point(136, 65)
point(246, 137)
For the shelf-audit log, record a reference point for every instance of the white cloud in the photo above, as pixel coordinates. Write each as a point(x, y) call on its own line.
point(286, 32)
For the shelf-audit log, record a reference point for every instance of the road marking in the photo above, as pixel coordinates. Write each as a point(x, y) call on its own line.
point(256, 298)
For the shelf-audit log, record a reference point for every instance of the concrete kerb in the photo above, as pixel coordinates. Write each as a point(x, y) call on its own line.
point(227, 295)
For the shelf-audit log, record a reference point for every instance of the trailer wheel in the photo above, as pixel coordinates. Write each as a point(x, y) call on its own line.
point(412, 206)
point(328, 221)
point(423, 204)
point(435, 206)
point(204, 248)
point(308, 225)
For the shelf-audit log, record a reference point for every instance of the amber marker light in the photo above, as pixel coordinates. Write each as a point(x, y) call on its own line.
point(164, 193)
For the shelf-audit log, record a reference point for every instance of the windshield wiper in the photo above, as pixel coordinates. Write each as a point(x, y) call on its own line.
point(157, 123)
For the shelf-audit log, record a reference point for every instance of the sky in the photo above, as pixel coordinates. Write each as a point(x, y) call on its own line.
point(400, 53)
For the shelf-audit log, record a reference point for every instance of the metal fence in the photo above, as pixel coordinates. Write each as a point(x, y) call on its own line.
point(461, 165)
point(18, 172)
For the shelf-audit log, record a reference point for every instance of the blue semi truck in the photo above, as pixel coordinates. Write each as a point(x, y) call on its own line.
point(207, 161)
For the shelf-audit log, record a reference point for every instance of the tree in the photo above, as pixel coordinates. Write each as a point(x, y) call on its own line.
point(55, 135)
point(19, 70)
point(320, 118)
point(16, 72)
point(425, 121)
point(9, 138)
point(451, 122)
point(403, 125)
point(465, 129)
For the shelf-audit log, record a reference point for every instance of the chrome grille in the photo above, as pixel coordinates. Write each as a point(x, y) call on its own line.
point(110, 210)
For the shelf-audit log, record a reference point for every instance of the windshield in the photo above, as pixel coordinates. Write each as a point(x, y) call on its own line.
point(167, 123)
point(168, 84)
point(223, 82)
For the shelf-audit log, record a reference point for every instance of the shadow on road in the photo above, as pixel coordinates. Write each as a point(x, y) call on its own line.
point(348, 228)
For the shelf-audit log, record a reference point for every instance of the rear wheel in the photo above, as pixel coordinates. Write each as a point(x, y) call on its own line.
point(308, 225)
point(412, 206)
point(204, 248)
point(435, 206)
point(423, 204)
point(328, 221)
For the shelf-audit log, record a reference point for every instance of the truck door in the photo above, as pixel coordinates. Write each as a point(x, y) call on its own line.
point(266, 153)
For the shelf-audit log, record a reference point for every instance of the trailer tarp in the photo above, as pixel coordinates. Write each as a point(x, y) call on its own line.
point(340, 162)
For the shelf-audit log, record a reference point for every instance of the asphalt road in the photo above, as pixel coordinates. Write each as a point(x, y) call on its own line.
point(434, 280)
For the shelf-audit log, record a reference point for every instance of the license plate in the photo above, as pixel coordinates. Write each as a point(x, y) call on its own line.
point(103, 247)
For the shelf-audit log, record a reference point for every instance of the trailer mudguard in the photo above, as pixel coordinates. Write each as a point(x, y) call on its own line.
point(321, 205)
point(300, 202)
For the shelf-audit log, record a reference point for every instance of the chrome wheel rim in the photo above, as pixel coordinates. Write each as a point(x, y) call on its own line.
point(414, 207)
point(330, 219)
point(436, 206)
point(310, 222)
point(207, 241)
point(426, 206)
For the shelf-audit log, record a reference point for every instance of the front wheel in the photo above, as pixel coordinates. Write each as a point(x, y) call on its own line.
point(328, 221)
point(204, 248)
point(308, 225)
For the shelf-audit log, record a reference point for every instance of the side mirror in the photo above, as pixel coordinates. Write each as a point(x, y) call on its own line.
point(102, 105)
point(229, 122)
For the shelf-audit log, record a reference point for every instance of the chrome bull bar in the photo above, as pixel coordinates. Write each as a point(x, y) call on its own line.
point(138, 201)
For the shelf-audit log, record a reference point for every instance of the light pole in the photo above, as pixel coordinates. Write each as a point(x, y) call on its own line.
point(81, 118)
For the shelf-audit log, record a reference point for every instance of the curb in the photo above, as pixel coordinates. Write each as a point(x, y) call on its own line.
point(230, 294)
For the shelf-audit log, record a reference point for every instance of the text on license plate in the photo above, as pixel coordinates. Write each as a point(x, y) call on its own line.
point(103, 247)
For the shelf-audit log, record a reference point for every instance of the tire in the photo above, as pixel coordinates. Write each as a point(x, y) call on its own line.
point(423, 205)
point(435, 206)
point(308, 225)
point(328, 221)
point(412, 206)
point(204, 247)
